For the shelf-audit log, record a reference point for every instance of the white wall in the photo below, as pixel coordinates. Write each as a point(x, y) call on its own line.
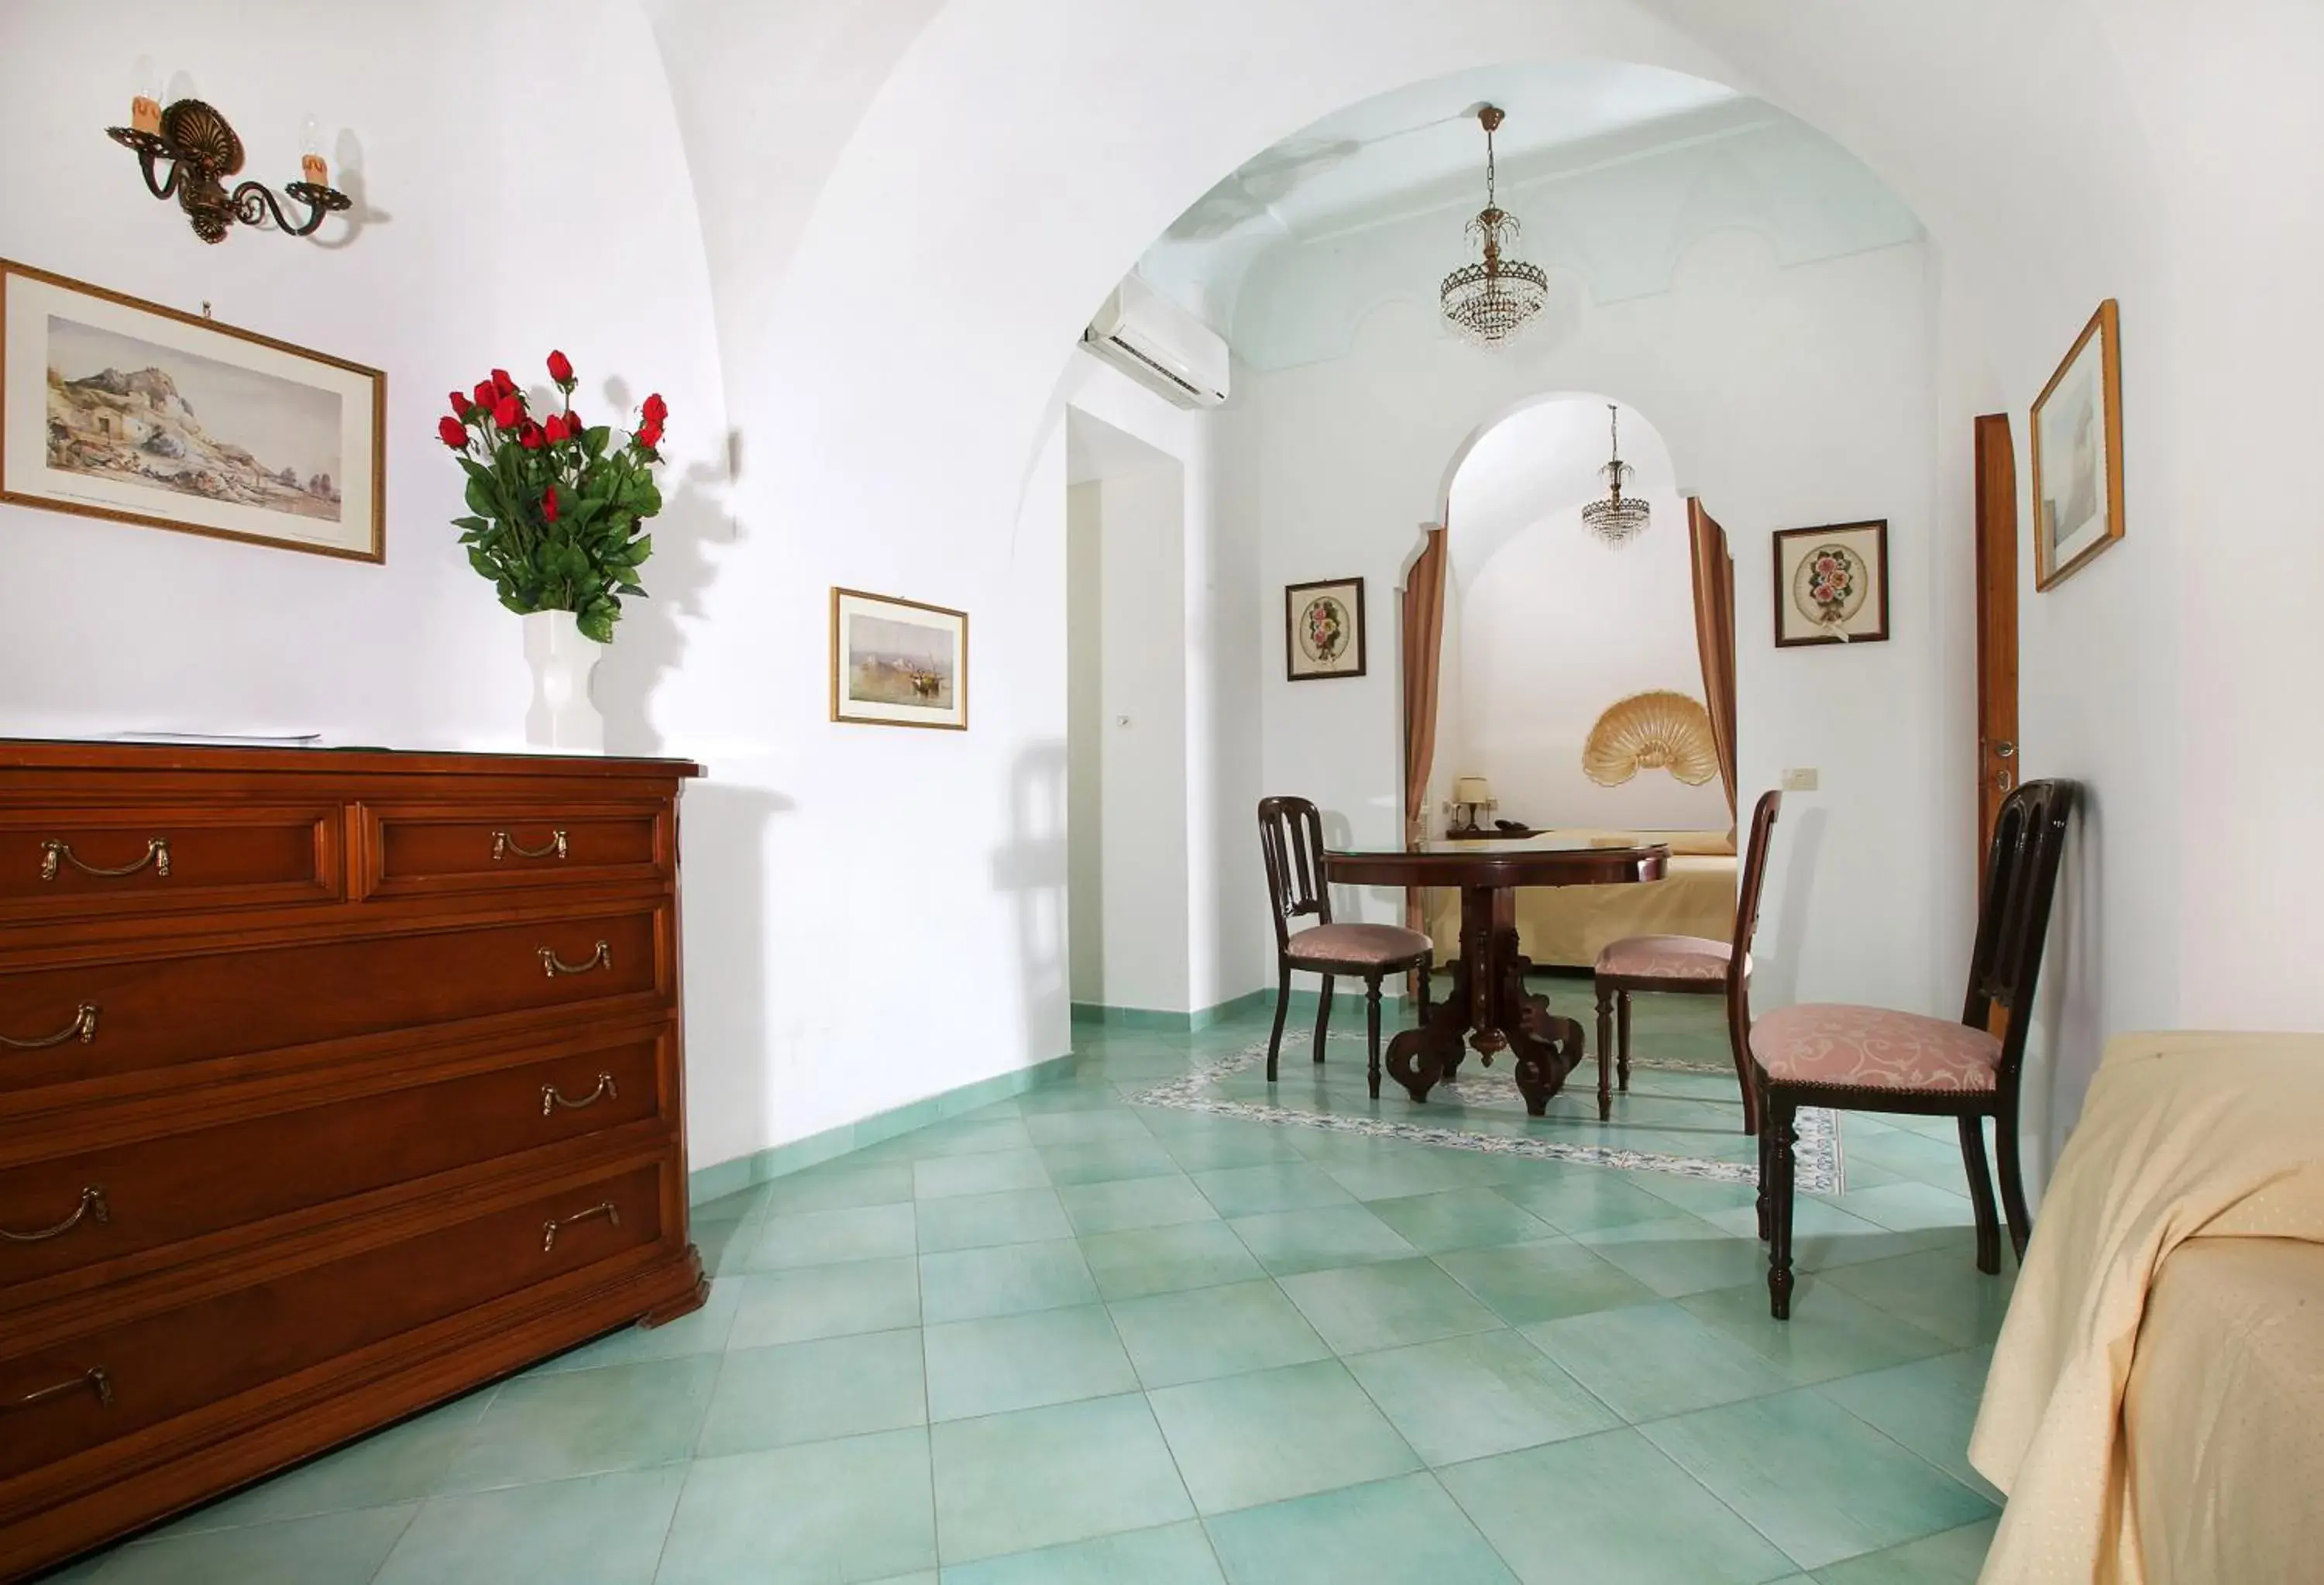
point(2110, 148)
point(1554, 625)
point(459, 258)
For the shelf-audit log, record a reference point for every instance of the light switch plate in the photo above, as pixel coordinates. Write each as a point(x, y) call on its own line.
point(1804, 780)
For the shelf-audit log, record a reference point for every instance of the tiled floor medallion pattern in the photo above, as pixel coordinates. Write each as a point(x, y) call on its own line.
point(1486, 1100)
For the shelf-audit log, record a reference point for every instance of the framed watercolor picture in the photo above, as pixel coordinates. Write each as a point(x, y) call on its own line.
point(898, 662)
point(2078, 453)
point(1831, 584)
point(1324, 629)
point(114, 408)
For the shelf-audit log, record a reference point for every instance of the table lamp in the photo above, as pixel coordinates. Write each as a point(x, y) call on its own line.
point(1471, 794)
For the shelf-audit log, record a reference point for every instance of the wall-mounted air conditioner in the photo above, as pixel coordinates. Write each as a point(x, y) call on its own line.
point(1159, 345)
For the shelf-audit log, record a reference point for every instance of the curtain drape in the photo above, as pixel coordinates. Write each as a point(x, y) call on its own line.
point(1714, 634)
point(1424, 637)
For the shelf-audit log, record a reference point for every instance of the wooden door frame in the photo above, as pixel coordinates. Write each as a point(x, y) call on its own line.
point(2000, 750)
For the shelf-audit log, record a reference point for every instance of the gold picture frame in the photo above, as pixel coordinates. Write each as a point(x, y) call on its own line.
point(898, 662)
point(285, 447)
point(2077, 427)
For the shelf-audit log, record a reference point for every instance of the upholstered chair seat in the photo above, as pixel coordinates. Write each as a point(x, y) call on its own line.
point(1358, 946)
point(1668, 957)
point(1872, 1048)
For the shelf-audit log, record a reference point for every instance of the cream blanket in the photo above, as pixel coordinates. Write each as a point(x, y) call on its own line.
point(2184, 1135)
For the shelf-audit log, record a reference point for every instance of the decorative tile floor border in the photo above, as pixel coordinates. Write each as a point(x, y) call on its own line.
point(1817, 1160)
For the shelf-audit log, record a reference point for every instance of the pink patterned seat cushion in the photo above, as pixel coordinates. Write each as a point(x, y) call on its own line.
point(1873, 1047)
point(1667, 957)
point(1362, 944)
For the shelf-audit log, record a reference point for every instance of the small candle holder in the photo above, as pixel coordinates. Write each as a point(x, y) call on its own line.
point(201, 149)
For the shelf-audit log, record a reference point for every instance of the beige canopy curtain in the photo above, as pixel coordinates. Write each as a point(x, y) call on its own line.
point(1714, 634)
point(1424, 637)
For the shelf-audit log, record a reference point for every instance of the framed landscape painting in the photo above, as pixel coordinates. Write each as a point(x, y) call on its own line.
point(1831, 584)
point(898, 662)
point(114, 408)
point(2078, 453)
point(1324, 629)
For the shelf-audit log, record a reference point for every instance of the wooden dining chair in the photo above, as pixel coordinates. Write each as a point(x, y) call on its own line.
point(1873, 1059)
point(1291, 838)
point(1687, 965)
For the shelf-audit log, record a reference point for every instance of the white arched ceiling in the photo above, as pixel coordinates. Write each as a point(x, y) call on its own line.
point(892, 383)
point(1547, 456)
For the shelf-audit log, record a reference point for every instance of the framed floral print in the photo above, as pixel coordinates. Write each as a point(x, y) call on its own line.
point(2078, 454)
point(116, 408)
point(1831, 584)
point(1324, 629)
point(898, 662)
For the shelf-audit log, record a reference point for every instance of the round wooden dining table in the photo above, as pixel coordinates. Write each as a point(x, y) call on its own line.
point(1489, 1005)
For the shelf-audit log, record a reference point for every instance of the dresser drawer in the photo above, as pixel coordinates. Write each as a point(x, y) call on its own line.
point(417, 850)
point(87, 1020)
point(98, 1206)
point(131, 859)
point(66, 1397)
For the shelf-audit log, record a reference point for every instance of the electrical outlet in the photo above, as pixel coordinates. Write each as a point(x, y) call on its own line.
point(1803, 780)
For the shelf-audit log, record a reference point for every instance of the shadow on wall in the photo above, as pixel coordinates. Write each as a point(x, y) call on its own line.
point(347, 176)
point(1033, 867)
point(649, 643)
point(724, 829)
point(1776, 958)
point(2065, 999)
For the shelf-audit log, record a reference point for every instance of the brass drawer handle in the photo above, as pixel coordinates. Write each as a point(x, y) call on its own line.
point(97, 1380)
point(552, 965)
point(92, 1206)
point(83, 1027)
point(553, 1226)
point(54, 853)
point(551, 1097)
point(503, 845)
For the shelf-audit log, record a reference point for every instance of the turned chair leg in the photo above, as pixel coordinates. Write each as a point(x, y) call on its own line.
point(1766, 1171)
point(1371, 1033)
point(1282, 1006)
point(1980, 1194)
point(2013, 1179)
point(1622, 1049)
point(1777, 1125)
point(1426, 969)
point(1605, 1053)
point(1322, 1018)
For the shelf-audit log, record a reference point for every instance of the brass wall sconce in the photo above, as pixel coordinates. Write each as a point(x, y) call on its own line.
point(200, 150)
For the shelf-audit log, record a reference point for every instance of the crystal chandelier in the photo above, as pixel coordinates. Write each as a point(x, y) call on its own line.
point(1619, 518)
point(1496, 294)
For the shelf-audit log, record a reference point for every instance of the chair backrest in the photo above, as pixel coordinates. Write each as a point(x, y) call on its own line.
point(1746, 924)
point(2021, 879)
point(1291, 837)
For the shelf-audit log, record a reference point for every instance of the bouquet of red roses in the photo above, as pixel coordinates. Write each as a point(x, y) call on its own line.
point(558, 509)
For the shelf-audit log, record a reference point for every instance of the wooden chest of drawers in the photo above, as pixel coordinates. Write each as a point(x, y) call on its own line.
point(332, 1084)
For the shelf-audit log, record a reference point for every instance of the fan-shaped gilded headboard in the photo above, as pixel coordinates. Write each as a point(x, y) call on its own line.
point(1657, 731)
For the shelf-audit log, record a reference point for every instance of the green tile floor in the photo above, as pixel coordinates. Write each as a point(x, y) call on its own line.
point(1070, 1340)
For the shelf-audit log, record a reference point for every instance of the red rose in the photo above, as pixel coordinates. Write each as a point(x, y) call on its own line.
point(560, 367)
point(531, 437)
point(452, 433)
point(503, 383)
point(548, 504)
point(460, 404)
point(573, 429)
point(650, 435)
point(486, 395)
point(655, 410)
point(510, 412)
point(555, 427)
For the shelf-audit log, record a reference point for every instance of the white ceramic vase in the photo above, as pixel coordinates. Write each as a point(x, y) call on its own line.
point(562, 716)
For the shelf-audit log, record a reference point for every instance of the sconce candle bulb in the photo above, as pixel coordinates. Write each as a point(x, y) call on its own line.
point(145, 97)
point(200, 149)
point(312, 167)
